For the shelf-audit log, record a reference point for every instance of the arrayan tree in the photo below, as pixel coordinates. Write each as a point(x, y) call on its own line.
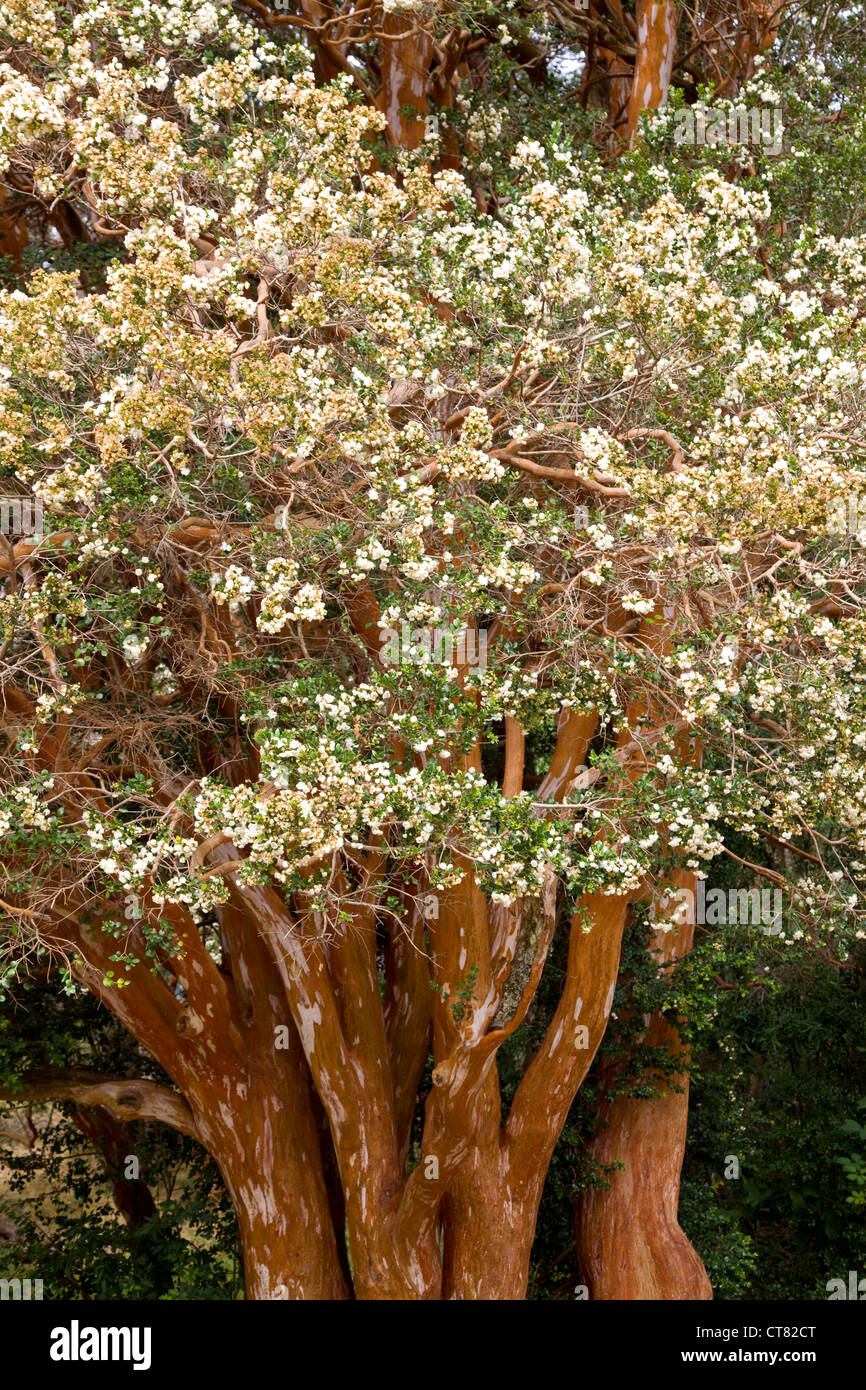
point(437, 556)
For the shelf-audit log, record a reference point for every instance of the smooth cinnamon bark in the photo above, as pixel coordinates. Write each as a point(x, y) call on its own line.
point(244, 1094)
point(515, 755)
point(405, 52)
point(492, 1203)
point(13, 232)
point(606, 82)
point(656, 48)
point(407, 1006)
point(734, 41)
point(630, 1244)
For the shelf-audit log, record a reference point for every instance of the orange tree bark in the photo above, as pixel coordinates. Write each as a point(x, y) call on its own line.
point(629, 59)
point(13, 233)
point(656, 47)
point(630, 1244)
point(113, 1141)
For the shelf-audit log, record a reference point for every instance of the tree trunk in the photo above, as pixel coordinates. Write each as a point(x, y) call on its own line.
point(13, 232)
point(269, 1160)
point(656, 47)
point(405, 51)
point(630, 1244)
point(113, 1140)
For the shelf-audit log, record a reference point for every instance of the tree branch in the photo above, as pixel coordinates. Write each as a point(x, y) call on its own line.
point(135, 1099)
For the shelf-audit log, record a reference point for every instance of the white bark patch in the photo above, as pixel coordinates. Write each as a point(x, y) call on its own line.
point(227, 1115)
point(416, 1273)
point(489, 1000)
point(311, 1014)
point(260, 1201)
point(336, 1111)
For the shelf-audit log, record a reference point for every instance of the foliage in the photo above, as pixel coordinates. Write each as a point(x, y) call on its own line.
point(777, 1087)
